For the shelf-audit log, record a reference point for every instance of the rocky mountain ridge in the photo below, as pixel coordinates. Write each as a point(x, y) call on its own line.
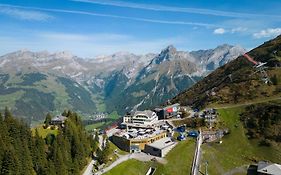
point(139, 80)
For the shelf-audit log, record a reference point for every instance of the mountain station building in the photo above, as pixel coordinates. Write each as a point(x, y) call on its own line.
point(168, 111)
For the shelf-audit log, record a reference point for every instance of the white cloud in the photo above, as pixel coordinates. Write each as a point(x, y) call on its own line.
point(219, 31)
point(178, 9)
point(270, 32)
point(24, 14)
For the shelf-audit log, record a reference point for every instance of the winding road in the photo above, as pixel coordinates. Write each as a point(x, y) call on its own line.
point(122, 158)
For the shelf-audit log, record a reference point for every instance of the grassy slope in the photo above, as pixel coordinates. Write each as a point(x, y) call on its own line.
point(244, 85)
point(179, 159)
point(10, 99)
point(179, 164)
point(236, 150)
point(44, 132)
point(130, 167)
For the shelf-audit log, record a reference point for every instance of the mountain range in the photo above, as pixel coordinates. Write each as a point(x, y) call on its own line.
point(34, 83)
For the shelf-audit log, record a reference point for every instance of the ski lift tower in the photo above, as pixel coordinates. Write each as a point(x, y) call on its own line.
point(260, 68)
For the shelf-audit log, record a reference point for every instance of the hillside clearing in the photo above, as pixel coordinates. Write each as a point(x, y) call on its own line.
point(44, 132)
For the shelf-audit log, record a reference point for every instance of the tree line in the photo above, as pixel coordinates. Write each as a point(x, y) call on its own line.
point(24, 153)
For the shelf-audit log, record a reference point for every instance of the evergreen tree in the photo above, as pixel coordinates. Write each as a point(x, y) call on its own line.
point(39, 155)
point(64, 113)
point(51, 168)
point(10, 163)
point(58, 160)
point(47, 120)
point(26, 160)
point(23, 153)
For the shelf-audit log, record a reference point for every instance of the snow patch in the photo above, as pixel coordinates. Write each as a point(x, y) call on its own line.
point(4, 62)
point(57, 68)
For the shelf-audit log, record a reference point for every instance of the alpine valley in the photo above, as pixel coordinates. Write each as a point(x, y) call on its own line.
point(34, 83)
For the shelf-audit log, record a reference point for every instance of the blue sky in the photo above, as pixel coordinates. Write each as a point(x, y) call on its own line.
point(89, 28)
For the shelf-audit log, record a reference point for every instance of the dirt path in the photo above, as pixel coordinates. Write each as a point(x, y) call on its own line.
point(247, 103)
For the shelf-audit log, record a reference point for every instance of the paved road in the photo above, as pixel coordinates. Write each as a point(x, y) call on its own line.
point(196, 158)
point(89, 169)
point(139, 156)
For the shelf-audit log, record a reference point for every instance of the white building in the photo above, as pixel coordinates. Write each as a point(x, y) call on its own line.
point(265, 168)
point(146, 117)
point(160, 147)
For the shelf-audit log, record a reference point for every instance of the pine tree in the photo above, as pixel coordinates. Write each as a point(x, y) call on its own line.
point(47, 120)
point(10, 163)
point(64, 113)
point(58, 160)
point(51, 168)
point(23, 153)
point(26, 160)
point(39, 155)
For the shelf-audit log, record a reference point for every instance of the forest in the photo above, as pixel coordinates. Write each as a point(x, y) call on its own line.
point(263, 122)
point(25, 153)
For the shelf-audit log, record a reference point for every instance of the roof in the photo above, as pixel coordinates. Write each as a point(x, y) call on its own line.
point(162, 143)
point(146, 113)
point(59, 118)
point(171, 106)
point(269, 168)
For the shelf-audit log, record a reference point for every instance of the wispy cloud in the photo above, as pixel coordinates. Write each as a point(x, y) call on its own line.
point(219, 31)
point(114, 16)
point(24, 14)
point(178, 9)
point(270, 32)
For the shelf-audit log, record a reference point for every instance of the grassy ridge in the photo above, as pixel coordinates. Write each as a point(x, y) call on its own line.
point(32, 94)
point(237, 81)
